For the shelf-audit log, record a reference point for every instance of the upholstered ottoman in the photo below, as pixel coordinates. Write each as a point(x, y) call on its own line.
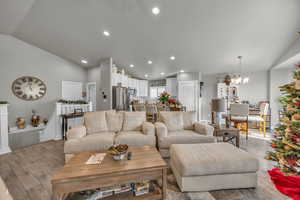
point(213, 166)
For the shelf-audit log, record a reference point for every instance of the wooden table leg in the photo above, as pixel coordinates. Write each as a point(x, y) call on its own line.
point(164, 184)
point(237, 141)
point(56, 196)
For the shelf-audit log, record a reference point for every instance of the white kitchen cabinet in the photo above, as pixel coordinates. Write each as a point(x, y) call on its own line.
point(132, 83)
point(142, 88)
point(124, 80)
point(118, 79)
point(136, 84)
point(115, 79)
point(171, 86)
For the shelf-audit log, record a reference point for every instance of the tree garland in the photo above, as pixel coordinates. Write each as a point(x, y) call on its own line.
point(286, 142)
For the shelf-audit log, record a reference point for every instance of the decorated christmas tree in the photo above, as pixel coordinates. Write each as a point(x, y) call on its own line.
point(286, 142)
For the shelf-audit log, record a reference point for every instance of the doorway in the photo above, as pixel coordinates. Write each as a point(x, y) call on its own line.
point(91, 94)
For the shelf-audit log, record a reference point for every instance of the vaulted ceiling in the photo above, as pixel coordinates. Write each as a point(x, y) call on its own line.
point(203, 35)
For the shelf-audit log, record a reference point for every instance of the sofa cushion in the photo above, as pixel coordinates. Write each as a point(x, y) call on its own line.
point(135, 139)
point(189, 118)
point(172, 120)
point(114, 121)
point(92, 142)
point(184, 137)
point(95, 122)
point(133, 121)
point(211, 159)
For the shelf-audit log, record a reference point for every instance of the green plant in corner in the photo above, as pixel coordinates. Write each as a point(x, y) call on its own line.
point(3, 102)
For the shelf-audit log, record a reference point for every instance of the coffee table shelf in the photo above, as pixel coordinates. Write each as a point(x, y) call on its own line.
point(130, 196)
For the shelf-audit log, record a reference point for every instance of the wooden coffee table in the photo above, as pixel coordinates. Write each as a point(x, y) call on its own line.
point(146, 164)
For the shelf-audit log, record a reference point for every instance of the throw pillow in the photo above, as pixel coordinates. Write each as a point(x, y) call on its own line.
point(189, 118)
point(172, 120)
point(95, 122)
point(133, 121)
point(114, 121)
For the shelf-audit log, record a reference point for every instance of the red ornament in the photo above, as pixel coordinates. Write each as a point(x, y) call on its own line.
point(292, 162)
point(273, 145)
point(298, 65)
point(296, 139)
point(298, 103)
point(288, 185)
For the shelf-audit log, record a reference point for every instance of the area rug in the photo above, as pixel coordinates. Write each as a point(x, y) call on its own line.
point(173, 192)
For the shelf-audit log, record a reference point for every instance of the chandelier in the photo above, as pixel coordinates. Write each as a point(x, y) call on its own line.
point(238, 78)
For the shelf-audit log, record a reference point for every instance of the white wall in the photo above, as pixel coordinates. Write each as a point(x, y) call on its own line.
point(102, 76)
point(278, 78)
point(17, 59)
point(256, 90)
point(209, 91)
point(189, 76)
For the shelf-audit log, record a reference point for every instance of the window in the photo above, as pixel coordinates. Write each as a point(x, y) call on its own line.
point(156, 91)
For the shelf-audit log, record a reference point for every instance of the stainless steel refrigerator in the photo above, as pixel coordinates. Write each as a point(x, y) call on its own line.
point(121, 98)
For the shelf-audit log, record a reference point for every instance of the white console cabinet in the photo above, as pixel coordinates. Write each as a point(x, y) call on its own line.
point(4, 146)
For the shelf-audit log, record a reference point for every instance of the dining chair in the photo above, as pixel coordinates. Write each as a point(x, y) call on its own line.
point(239, 114)
point(262, 118)
point(139, 107)
point(151, 112)
point(162, 107)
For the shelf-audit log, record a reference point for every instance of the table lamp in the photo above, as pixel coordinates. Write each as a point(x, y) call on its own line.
point(217, 107)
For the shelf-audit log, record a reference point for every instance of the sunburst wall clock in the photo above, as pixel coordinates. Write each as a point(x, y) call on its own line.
point(29, 88)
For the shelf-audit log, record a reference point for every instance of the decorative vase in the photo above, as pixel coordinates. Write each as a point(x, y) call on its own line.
point(35, 119)
point(45, 121)
point(21, 123)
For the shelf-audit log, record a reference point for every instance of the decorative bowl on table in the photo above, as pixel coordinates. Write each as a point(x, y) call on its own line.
point(118, 152)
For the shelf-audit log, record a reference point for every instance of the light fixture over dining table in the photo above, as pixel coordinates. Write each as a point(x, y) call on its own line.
point(239, 78)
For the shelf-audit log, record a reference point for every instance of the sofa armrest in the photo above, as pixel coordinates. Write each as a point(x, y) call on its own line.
point(76, 132)
point(148, 128)
point(161, 130)
point(204, 129)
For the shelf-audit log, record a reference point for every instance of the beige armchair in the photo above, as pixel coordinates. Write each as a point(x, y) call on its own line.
point(181, 128)
point(103, 129)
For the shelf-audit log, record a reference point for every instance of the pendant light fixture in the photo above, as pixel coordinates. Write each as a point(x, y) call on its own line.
point(239, 79)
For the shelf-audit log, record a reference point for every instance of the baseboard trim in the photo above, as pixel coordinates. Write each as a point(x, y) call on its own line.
point(5, 150)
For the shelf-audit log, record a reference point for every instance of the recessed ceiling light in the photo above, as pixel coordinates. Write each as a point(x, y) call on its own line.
point(84, 61)
point(155, 10)
point(172, 57)
point(106, 33)
point(131, 65)
point(181, 71)
point(146, 75)
point(149, 62)
point(162, 73)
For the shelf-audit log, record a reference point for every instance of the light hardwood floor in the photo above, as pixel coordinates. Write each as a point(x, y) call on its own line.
point(27, 172)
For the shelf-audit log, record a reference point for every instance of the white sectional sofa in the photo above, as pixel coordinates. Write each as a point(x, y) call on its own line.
point(181, 128)
point(102, 129)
